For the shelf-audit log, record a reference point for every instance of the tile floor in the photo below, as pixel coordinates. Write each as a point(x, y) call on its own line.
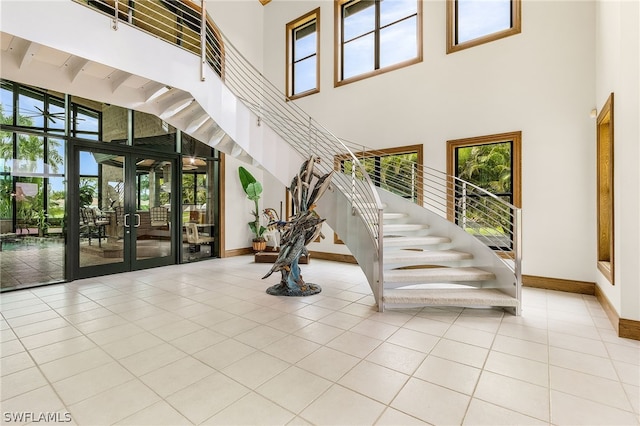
point(204, 344)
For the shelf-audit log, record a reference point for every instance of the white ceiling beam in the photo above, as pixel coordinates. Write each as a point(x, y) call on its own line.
point(118, 78)
point(28, 54)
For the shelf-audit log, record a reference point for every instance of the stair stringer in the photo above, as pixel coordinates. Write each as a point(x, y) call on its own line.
point(336, 208)
point(483, 257)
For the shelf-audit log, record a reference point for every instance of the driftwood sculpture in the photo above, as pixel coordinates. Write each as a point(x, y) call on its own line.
point(297, 232)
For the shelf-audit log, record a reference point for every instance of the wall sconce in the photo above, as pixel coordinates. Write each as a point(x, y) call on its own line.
point(593, 113)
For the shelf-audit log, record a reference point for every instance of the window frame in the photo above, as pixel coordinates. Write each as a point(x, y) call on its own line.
point(452, 28)
point(516, 167)
point(339, 45)
point(291, 27)
point(605, 192)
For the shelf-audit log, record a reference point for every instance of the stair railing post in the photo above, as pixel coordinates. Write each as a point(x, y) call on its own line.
point(203, 40)
point(353, 187)
point(310, 138)
point(380, 282)
point(115, 15)
point(130, 11)
point(517, 251)
point(464, 205)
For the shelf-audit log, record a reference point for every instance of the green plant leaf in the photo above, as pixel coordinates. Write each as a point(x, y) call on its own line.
point(253, 190)
point(246, 178)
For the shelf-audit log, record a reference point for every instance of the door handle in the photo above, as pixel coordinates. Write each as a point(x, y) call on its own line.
point(126, 220)
point(138, 220)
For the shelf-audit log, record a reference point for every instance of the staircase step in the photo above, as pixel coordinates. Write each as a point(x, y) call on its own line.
point(394, 216)
point(404, 227)
point(436, 275)
point(449, 297)
point(413, 257)
point(410, 242)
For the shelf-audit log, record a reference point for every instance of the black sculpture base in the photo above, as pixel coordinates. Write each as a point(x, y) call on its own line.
point(306, 289)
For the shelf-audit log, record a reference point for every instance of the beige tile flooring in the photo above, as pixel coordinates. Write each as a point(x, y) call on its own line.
point(204, 344)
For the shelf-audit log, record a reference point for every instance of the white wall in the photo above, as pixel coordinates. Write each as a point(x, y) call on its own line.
point(540, 82)
point(618, 72)
point(241, 22)
point(238, 207)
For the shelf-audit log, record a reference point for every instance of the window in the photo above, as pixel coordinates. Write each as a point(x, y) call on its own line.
point(492, 163)
point(393, 169)
point(605, 189)
point(303, 55)
point(375, 36)
point(474, 22)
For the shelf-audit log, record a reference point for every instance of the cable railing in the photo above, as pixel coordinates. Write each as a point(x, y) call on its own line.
point(495, 221)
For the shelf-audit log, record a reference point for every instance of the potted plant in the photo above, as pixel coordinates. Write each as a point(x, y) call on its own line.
point(42, 223)
point(253, 189)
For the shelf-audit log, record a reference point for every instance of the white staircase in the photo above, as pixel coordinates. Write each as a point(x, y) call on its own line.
point(423, 269)
point(411, 255)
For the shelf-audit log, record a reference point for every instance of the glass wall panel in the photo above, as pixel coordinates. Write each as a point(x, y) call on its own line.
point(6, 109)
point(151, 132)
point(31, 109)
point(32, 246)
point(29, 155)
point(115, 124)
point(86, 123)
point(56, 115)
point(199, 199)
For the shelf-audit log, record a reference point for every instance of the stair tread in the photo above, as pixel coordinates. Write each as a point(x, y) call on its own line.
point(450, 297)
point(430, 275)
point(393, 216)
point(408, 242)
point(412, 256)
point(398, 227)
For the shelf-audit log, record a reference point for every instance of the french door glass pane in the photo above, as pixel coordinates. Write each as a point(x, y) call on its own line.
point(152, 219)
point(101, 223)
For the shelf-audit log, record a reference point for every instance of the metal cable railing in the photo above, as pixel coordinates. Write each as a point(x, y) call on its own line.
point(185, 24)
point(493, 220)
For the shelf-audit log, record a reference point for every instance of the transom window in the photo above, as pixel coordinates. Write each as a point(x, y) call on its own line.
point(474, 22)
point(303, 55)
point(375, 36)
